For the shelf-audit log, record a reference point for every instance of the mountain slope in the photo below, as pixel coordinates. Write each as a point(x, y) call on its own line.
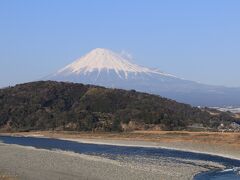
point(102, 62)
point(48, 105)
point(106, 68)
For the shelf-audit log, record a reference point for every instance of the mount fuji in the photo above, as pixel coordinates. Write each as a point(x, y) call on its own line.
point(106, 68)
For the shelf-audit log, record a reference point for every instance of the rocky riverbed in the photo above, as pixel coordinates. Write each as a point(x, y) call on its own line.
point(36, 164)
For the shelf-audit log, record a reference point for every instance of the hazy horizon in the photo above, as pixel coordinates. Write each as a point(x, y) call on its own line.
point(197, 41)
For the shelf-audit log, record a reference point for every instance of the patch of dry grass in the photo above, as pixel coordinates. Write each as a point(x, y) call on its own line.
point(6, 177)
point(154, 136)
point(237, 115)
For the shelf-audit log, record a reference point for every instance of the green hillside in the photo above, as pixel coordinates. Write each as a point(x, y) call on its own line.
point(48, 105)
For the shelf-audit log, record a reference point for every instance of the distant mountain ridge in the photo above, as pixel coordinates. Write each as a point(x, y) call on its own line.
point(106, 68)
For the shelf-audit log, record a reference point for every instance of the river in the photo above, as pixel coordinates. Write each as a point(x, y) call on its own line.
point(112, 151)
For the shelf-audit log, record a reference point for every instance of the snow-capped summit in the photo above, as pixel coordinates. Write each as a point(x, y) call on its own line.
point(106, 68)
point(101, 60)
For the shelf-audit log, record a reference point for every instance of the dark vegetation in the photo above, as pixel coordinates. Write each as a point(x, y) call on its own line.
point(48, 105)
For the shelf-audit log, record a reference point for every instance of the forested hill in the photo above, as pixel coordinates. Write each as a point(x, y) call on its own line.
point(49, 105)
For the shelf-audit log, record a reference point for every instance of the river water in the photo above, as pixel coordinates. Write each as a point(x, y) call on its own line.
point(112, 151)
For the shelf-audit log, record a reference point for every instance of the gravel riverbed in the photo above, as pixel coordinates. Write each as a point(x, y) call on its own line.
point(26, 163)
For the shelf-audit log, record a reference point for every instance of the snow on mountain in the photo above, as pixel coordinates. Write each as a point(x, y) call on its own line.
point(106, 68)
point(105, 60)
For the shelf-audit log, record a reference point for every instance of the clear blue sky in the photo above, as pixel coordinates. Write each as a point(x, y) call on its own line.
point(196, 40)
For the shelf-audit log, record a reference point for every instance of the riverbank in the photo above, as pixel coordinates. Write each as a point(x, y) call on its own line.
point(23, 162)
point(216, 143)
point(36, 164)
